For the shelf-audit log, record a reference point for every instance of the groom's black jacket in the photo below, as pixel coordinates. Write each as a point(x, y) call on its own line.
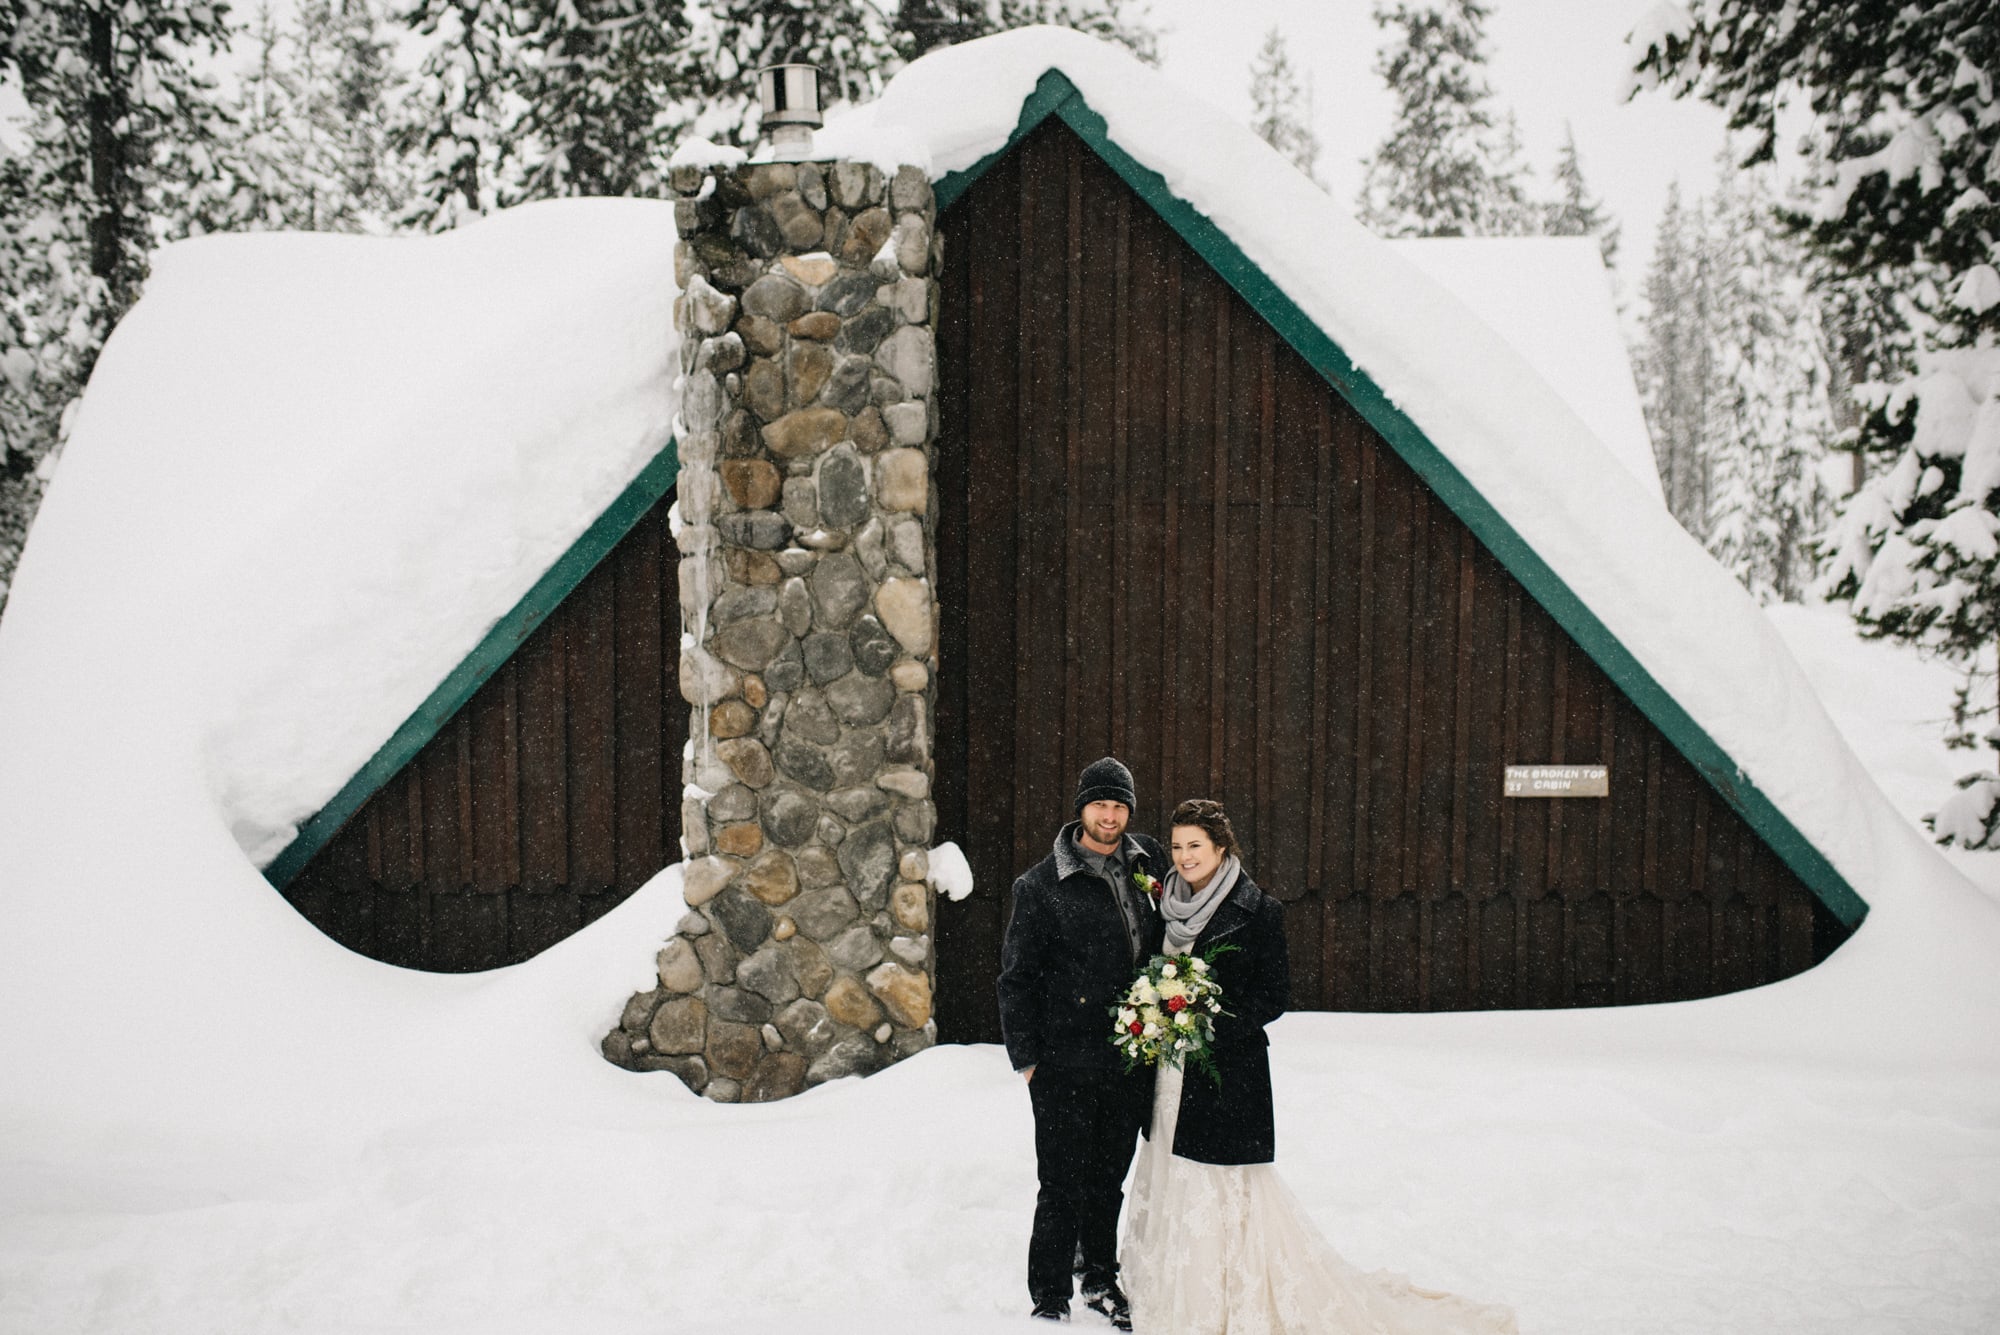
point(1067, 960)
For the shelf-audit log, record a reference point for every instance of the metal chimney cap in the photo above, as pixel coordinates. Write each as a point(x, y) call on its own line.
point(789, 95)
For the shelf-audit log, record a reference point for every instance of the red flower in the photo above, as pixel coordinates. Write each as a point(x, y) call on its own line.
point(1176, 1004)
point(1136, 1027)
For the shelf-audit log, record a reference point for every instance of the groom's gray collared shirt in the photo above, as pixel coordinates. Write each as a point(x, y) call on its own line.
point(1110, 868)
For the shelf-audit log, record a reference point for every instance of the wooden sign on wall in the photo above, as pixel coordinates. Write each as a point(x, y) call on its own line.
point(1558, 781)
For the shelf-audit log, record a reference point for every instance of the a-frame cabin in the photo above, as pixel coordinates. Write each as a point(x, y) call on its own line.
point(1176, 524)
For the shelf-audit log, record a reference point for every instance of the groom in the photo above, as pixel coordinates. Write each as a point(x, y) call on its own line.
point(1082, 928)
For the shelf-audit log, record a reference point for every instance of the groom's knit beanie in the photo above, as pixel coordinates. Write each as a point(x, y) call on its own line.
point(1105, 781)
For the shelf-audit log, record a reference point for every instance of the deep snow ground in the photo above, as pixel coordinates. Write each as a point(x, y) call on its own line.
point(1594, 1190)
point(1893, 705)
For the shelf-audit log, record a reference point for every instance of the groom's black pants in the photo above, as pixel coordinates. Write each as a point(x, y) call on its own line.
point(1086, 1129)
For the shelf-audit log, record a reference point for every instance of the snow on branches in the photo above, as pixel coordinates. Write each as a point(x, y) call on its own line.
point(1895, 111)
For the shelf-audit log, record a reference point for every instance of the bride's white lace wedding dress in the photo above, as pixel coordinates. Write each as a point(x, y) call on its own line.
point(1210, 1249)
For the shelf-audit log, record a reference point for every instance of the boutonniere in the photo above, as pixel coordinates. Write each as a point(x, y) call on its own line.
point(1148, 884)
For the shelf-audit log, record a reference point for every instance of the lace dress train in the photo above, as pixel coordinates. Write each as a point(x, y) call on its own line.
point(1210, 1249)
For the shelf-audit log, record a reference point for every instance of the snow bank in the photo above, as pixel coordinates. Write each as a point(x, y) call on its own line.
point(309, 474)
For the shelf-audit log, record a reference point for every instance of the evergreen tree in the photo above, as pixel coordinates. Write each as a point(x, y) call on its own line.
point(310, 149)
point(1869, 329)
point(541, 99)
point(1769, 419)
point(925, 25)
point(1673, 365)
point(597, 86)
point(1448, 167)
point(1902, 146)
point(1280, 110)
point(352, 84)
point(1575, 211)
point(1510, 208)
point(266, 94)
point(114, 104)
point(454, 127)
point(1734, 381)
point(1902, 138)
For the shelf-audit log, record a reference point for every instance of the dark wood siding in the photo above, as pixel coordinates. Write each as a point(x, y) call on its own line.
point(551, 796)
point(1163, 536)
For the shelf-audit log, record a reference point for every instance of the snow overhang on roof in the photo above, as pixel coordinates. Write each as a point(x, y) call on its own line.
point(1498, 444)
point(1550, 298)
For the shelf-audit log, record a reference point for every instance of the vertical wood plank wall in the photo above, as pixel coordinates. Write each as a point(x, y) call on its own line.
point(551, 796)
point(1164, 537)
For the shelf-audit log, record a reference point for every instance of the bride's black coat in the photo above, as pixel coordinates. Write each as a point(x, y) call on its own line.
point(1231, 1123)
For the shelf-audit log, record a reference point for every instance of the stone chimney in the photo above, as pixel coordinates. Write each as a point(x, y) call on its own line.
point(809, 626)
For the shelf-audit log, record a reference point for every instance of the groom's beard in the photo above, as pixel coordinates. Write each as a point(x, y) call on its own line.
point(1106, 833)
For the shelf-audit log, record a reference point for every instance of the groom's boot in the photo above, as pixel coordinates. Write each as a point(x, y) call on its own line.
point(1109, 1303)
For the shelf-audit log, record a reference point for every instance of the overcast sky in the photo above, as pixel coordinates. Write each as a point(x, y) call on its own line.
point(1551, 61)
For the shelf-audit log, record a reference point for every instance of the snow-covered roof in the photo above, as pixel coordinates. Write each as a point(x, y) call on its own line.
point(322, 466)
point(1550, 298)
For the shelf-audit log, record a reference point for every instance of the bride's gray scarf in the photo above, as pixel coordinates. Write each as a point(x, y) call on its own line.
point(1187, 910)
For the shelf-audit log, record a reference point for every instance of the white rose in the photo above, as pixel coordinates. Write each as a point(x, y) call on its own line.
point(1169, 971)
point(1199, 965)
point(1151, 1031)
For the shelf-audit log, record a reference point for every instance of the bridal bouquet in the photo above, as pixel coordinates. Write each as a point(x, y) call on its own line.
point(1168, 1014)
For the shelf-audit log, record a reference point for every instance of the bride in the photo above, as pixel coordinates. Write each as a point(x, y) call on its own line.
point(1214, 1240)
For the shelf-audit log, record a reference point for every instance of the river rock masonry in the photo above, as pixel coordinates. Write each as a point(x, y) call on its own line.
point(809, 643)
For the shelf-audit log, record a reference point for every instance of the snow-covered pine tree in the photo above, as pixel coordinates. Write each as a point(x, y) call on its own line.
point(1768, 418)
point(1673, 365)
point(599, 83)
point(539, 99)
point(1902, 151)
point(453, 127)
point(1511, 209)
point(1280, 109)
point(310, 144)
point(351, 89)
point(43, 279)
point(1448, 167)
point(110, 88)
point(267, 91)
point(925, 25)
point(1575, 211)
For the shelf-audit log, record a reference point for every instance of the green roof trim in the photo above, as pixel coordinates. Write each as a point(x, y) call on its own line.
point(499, 644)
point(1055, 95)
